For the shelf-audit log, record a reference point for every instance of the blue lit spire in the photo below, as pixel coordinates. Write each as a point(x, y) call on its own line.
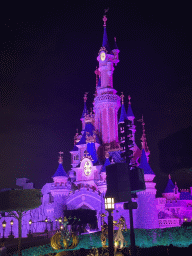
point(105, 38)
point(60, 170)
point(92, 152)
point(144, 164)
point(107, 162)
point(123, 115)
point(129, 111)
point(170, 186)
point(89, 131)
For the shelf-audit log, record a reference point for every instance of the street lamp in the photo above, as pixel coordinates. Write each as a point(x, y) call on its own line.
point(4, 226)
point(11, 222)
point(60, 220)
point(46, 220)
point(56, 222)
point(30, 222)
point(109, 206)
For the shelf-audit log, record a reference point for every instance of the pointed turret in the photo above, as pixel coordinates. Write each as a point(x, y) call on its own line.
point(107, 162)
point(144, 164)
point(105, 38)
point(171, 190)
point(130, 114)
point(170, 186)
point(148, 210)
point(60, 172)
point(123, 115)
point(92, 152)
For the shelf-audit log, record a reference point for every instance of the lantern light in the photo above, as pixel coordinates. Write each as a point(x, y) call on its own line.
point(109, 203)
point(4, 224)
point(30, 222)
point(11, 222)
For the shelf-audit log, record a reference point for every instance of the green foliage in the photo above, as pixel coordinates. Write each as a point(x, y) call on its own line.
point(20, 200)
point(179, 237)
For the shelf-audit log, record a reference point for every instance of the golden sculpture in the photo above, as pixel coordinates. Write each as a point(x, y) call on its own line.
point(70, 239)
point(55, 241)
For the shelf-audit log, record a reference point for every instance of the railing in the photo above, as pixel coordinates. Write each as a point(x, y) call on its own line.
point(167, 223)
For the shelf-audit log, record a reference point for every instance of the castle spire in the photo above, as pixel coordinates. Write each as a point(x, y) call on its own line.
point(123, 115)
point(105, 38)
point(130, 114)
point(143, 139)
point(60, 172)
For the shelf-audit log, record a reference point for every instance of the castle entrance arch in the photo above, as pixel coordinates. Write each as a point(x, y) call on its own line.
point(79, 218)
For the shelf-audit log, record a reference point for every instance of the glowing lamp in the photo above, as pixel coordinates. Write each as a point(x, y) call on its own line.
point(56, 220)
point(109, 203)
point(4, 224)
point(11, 222)
point(30, 222)
point(185, 219)
point(60, 219)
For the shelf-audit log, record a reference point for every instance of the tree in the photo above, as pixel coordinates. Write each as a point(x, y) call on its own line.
point(17, 202)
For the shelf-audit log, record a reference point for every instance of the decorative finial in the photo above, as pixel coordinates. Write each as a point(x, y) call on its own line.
point(86, 153)
point(60, 157)
point(129, 98)
point(122, 98)
point(85, 96)
point(169, 176)
point(143, 137)
point(115, 39)
point(104, 20)
point(97, 73)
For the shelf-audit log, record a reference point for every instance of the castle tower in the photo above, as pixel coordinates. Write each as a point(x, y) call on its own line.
point(60, 189)
point(106, 101)
point(147, 213)
point(171, 191)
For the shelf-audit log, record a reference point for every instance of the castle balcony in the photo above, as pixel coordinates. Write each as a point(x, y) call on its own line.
point(168, 223)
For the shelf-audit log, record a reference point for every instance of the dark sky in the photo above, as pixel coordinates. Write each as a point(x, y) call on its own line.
point(48, 57)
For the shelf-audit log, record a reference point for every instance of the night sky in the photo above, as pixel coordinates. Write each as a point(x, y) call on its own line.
point(48, 57)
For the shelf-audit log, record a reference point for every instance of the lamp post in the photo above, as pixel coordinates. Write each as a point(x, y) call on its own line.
point(46, 220)
point(60, 220)
point(109, 206)
point(56, 222)
point(30, 222)
point(4, 226)
point(11, 222)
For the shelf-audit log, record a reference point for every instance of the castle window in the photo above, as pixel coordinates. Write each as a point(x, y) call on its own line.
point(51, 200)
point(77, 157)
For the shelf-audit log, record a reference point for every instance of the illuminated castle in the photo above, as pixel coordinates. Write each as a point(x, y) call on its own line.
point(84, 186)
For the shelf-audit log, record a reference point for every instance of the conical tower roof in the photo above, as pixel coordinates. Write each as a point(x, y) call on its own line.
point(129, 111)
point(107, 162)
point(144, 164)
point(170, 186)
point(92, 152)
point(123, 115)
point(60, 170)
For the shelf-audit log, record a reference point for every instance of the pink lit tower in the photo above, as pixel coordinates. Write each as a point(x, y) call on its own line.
point(106, 101)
